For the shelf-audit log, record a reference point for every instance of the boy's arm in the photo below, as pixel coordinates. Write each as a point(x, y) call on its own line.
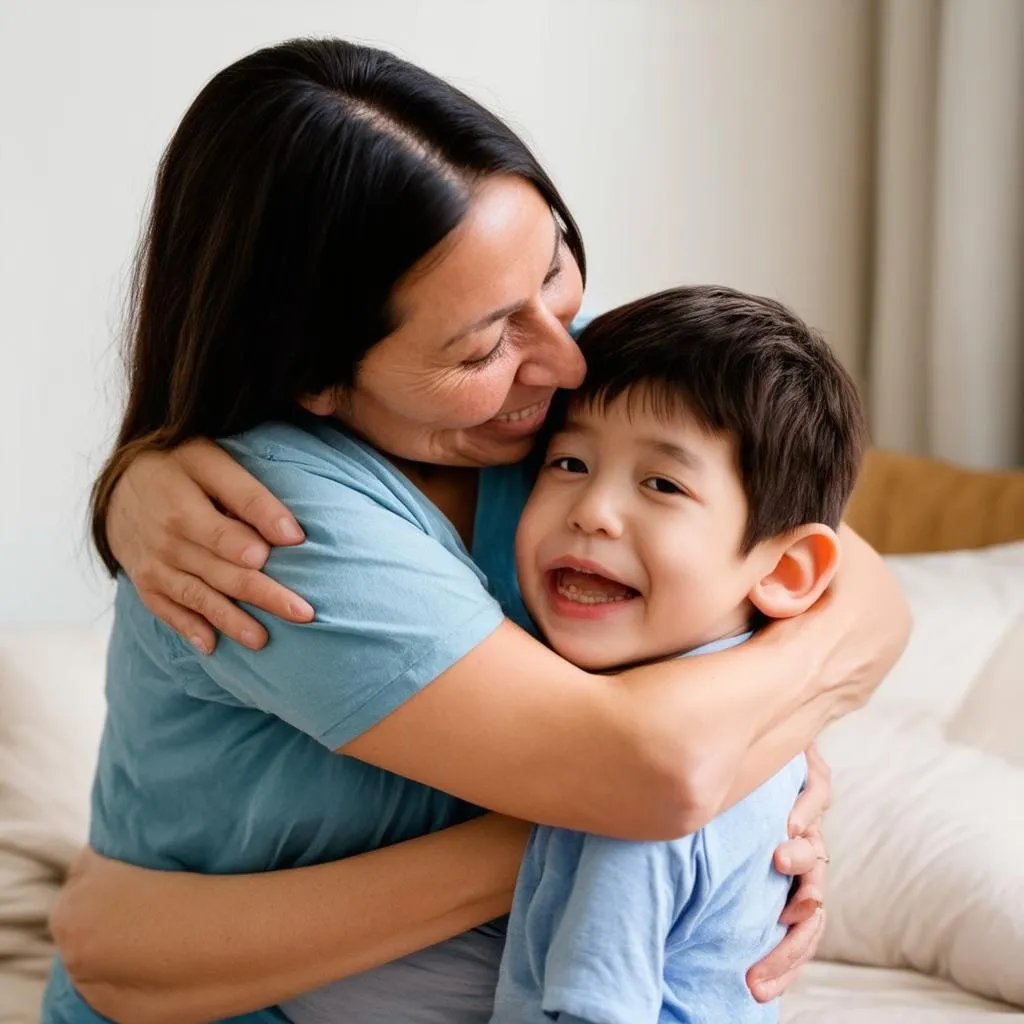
point(606, 959)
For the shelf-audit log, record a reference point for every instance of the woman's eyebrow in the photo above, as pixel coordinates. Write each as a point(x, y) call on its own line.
point(514, 307)
point(486, 321)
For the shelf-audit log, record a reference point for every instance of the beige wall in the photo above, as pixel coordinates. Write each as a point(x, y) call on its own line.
point(696, 140)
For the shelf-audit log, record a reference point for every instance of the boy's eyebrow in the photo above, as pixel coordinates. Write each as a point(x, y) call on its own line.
point(673, 451)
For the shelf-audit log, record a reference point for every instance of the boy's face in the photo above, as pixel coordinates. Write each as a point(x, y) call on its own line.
point(629, 547)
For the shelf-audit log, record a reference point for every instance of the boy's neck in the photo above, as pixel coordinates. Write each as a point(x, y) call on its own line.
point(740, 631)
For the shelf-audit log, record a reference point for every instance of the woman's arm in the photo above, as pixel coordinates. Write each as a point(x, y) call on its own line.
point(192, 948)
point(149, 947)
point(654, 752)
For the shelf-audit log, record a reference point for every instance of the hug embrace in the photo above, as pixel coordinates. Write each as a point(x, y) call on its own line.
point(533, 622)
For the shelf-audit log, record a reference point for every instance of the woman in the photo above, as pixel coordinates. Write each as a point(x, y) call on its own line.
point(367, 280)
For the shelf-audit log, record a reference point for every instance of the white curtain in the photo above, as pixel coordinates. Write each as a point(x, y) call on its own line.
point(946, 348)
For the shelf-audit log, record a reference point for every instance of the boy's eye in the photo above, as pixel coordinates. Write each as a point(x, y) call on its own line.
point(568, 464)
point(662, 486)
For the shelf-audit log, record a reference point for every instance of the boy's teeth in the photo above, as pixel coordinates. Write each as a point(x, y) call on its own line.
point(590, 588)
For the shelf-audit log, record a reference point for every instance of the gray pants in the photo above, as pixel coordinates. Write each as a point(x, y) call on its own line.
point(451, 983)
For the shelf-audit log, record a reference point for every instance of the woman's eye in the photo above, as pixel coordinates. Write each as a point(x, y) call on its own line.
point(662, 486)
point(552, 273)
point(556, 267)
point(490, 356)
point(568, 464)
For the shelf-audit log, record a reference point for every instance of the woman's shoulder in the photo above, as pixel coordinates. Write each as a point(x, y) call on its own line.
point(309, 442)
point(312, 459)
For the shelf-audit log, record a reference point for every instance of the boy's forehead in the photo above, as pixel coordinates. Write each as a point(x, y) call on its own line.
point(638, 416)
point(638, 408)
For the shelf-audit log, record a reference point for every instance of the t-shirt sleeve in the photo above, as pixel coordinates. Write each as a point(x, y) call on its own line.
point(395, 607)
point(606, 957)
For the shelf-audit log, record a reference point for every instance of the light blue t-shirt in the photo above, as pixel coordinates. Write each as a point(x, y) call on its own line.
point(605, 931)
point(226, 764)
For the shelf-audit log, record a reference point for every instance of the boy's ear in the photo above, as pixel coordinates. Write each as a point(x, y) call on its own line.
point(805, 561)
point(325, 403)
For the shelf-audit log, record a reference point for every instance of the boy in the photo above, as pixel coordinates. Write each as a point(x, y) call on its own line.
point(691, 491)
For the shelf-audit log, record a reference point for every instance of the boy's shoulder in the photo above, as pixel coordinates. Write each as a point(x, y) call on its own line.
point(757, 823)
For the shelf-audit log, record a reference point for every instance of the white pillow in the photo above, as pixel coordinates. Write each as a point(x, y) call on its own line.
point(964, 603)
point(927, 846)
point(991, 717)
point(51, 717)
point(927, 831)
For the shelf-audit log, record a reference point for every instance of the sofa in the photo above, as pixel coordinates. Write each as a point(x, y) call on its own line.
point(926, 901)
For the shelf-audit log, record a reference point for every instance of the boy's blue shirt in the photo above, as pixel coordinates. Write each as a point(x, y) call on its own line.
point(616, 932)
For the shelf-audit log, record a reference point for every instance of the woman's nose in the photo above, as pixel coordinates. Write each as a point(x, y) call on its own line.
point(553, 359)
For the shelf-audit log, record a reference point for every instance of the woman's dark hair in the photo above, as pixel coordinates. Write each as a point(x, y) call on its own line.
point(304, 181)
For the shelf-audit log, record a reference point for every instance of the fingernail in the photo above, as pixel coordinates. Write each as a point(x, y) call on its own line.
point(250, 637)
point(300, 609)
point(199, 644)
point(809, 907)
point(289, 529)
point(254, 555)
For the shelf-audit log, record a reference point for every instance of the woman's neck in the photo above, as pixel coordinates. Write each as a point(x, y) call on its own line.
point(453, 489)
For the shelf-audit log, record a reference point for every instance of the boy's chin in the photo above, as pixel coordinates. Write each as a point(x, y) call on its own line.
point(597, 654)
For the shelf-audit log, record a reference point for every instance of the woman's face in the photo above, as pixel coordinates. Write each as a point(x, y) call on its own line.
point(482, 345)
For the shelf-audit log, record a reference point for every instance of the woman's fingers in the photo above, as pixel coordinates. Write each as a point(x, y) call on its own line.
point(772, 976)
point(190, 607)
point(242, 495)
point(247, 585)
point(815, 798)
point(190, 516)
point(808, 898)
point(810, 861)
point(194, 628)
point(795, 857)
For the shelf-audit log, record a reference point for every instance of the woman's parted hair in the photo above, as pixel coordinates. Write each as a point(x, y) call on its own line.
point(303, 182)
point(743, 365)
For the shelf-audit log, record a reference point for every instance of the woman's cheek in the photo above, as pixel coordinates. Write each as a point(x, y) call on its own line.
point(480, 396)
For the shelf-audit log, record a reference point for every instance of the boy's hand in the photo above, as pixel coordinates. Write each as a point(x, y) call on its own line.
point(805, 857)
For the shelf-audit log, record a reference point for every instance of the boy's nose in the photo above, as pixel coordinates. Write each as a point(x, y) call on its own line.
point(595, 513)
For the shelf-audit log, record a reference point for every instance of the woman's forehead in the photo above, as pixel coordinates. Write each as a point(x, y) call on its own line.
point(496, 258)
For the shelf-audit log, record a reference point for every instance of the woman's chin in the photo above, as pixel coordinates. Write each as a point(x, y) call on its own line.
point(498, 451)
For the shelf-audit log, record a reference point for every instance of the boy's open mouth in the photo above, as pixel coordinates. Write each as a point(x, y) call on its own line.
point(582, 587)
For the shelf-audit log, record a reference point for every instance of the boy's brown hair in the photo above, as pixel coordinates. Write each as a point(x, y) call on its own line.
point(748, 366)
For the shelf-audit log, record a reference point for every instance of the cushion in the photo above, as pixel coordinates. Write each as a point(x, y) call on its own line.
point(927, 829)
point(51, 696)
point(906, 503)
point(827, 993)
point(964, 604)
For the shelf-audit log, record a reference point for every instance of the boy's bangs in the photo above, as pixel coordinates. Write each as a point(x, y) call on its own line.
point(667, 401)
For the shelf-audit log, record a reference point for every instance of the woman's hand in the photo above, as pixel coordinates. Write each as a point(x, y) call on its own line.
point(867, 616)
point(187, 558)
point(803, 856)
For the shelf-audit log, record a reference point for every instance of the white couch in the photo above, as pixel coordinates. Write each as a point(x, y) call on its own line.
point(926, 835)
